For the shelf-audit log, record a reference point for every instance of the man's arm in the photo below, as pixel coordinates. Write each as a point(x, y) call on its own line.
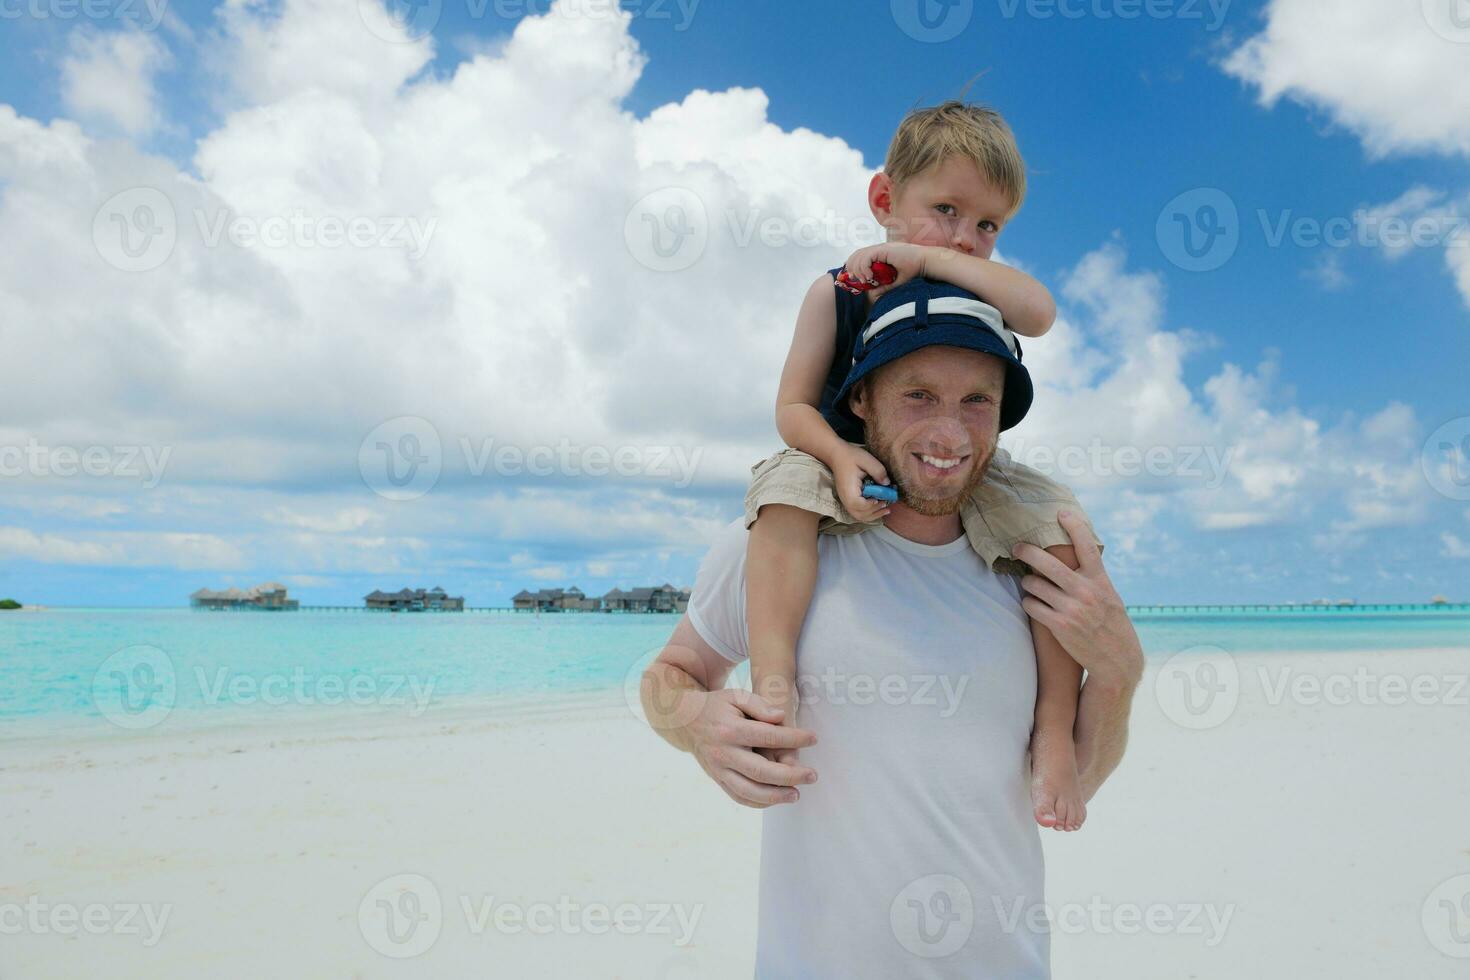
point(1101, 732)
point(685, 700)
point(1084, 612)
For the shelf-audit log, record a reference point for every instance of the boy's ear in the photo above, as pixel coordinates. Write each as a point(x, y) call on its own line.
point(880, 197)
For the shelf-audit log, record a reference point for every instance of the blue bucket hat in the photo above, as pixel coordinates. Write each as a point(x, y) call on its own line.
point(925, 313)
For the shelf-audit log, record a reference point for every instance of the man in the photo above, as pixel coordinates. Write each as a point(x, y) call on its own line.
point(917, 854)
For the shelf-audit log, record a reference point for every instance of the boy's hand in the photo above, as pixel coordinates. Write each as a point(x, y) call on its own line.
point(849, 470)
point(907, 260)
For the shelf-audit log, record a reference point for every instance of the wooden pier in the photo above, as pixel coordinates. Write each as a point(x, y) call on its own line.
point(1307, 608)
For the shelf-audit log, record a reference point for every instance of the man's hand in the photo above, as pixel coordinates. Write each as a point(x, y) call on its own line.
point(728, 727)
point(1082, 609)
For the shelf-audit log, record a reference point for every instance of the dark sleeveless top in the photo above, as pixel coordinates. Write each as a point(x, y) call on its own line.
point(852, 316)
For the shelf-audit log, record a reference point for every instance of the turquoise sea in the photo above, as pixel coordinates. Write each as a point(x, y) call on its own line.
point(132, 667)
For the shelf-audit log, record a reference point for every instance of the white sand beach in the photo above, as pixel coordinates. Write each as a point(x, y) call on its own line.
point(1299, 839)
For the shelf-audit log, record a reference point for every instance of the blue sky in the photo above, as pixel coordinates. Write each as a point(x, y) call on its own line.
point(1363, 346)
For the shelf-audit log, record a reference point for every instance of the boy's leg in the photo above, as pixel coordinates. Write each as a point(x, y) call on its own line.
point(780, 574)
point(1016, 503)
point(1056, 790)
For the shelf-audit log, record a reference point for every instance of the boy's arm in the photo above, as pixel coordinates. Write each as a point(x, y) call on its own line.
point(812, 348)
point(1025, 303)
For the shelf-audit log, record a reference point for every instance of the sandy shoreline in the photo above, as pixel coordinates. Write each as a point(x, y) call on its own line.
point(1300, 834)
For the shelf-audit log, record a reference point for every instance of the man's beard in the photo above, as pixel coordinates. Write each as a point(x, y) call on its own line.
point(880, 444)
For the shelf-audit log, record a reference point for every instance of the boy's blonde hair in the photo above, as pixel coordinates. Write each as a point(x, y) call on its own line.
point(927, 137)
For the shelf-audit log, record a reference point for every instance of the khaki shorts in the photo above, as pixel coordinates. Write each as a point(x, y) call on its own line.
point(1014, 503)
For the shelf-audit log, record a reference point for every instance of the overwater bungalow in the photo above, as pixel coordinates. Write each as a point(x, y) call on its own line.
point(414, 600)
point(268, 595)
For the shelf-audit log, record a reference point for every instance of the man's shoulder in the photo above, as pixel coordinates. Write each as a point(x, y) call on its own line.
point(726, 549)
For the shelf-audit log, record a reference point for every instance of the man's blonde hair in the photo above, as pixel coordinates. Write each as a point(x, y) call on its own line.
point(927, 137)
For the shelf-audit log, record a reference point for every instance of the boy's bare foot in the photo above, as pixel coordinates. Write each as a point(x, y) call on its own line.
point(1056, 791)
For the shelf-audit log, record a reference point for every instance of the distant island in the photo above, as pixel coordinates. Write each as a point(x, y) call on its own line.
point(9, 604)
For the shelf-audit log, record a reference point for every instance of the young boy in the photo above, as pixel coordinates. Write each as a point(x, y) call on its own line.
point(952, 178)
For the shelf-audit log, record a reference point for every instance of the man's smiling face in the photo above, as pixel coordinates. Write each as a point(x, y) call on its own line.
point(933, 419)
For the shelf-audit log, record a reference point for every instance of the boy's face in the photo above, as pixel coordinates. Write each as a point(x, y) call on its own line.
point(950, 205)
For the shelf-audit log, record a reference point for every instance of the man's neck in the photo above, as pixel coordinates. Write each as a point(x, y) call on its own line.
point(922, 528)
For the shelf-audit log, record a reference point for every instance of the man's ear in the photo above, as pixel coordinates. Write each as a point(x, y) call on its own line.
point(857, 399)
point(880, 197)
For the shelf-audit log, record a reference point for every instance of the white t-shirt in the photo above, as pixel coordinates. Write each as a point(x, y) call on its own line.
point(915, 854)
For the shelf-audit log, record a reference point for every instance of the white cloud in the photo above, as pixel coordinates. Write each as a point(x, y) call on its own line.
point(107, 77)
point(332, 522)
point(1327, 272)
point(120, 548)
point(1376, 67)
point(530, 319)
point(1454, 546)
